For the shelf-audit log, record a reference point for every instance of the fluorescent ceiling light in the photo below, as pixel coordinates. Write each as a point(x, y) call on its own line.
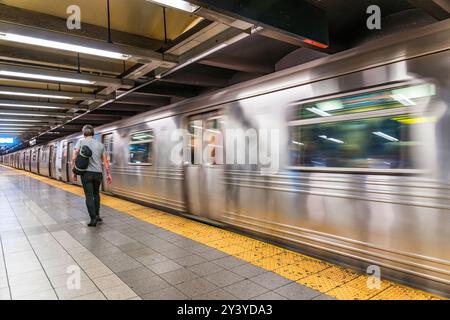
point(319, 112)
point(24, 114)
point(16, 124)
point(28, 106)
point(403, 99)
point(62, 46)
point(177, 4)
point(298, 143)
point(330, 105)
point(18, 120)
point(43, 77)
point(37, 95)
point(385, 136)
point(15, 128)
point(331, 139)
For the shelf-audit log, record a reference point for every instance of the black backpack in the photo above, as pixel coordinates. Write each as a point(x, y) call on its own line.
point(82, 161)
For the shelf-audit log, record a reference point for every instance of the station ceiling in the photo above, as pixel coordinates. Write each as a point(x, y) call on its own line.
point(147, 55)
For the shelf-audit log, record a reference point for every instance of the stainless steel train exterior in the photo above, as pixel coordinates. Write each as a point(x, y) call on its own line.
point(338, 192)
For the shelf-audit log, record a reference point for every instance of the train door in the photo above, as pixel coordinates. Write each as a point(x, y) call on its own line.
point(28, 165)
point(107, 140)
point(38, 160)
point(204, 168)
point(69, 161)
point(51, 162)
point(64, 162)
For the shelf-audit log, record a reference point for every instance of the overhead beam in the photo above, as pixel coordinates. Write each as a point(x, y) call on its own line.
point(128, 107)
point(197, 80)
point(145, 101)
point(238, 64)
point(438, 9)
point(167, 91)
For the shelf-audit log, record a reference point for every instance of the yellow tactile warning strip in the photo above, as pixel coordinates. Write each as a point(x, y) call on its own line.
point(324, 277)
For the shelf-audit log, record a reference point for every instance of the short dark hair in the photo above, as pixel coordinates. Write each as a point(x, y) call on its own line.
point(88, 130)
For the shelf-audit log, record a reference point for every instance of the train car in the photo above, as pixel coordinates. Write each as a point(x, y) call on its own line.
point(344, 158)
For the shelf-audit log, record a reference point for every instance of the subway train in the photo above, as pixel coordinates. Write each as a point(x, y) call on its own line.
point(346, 158)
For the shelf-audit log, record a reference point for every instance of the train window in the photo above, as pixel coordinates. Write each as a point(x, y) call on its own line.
point(108, 142)
point(141, 147)
point(213, 138)
point(195, 145)
point(381, 140)
point(378, 100)
point(382, 143)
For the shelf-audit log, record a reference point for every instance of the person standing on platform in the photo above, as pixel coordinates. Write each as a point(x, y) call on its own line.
point(93, 176)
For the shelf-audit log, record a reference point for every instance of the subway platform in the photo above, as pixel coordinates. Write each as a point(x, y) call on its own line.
point(47, 253)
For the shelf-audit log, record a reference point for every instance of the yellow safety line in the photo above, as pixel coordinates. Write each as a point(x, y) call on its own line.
point(335, 281)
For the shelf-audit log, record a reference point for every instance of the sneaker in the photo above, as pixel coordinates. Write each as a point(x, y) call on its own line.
point(99, 219)
point(93, 223)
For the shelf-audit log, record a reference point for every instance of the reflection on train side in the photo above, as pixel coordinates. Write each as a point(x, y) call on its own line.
point(360, 131)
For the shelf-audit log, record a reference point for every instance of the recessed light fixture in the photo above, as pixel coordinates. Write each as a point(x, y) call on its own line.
point(62, 46)
point(43, 77)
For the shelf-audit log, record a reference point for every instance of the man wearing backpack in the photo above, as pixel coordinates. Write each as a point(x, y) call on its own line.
point(92, 176)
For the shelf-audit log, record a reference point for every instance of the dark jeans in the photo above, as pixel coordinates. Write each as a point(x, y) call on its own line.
point(91, 185)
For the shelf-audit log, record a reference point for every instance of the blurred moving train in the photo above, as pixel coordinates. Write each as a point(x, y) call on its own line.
point(362, 148)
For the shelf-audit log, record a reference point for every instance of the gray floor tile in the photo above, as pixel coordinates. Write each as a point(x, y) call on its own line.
point(189, 261)
point(65, 293)
point(131, 246)
point(324, 297)
point(179, 276)
point(176, 253)
point(164, 267)
point(269, 296)
point(295, 291)
point(152, 259)
point(43, 295)
point(223, 278)
point(229, 262)
point(198, 248)
point(245, 289)
point(170, 293)
point(248, 270)
point(92, 296)
point(205, 268)
point(212, 254)
point(218, 294)
point(136, 274)
point(270, 280)
point(141, 252)
point(120, 262)
point(119, 293)
point(147, 285)
point(196, 287)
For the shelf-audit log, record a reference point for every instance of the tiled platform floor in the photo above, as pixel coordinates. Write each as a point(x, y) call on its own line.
point(44, 239)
